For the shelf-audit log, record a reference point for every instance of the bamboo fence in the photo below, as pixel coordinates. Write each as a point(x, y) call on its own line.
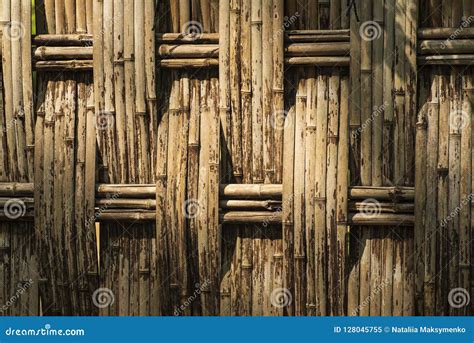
point(206, 157)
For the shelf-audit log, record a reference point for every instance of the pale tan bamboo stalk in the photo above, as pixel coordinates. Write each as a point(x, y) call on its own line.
point(59, 16)
point(89, 237)
point(235, 98)
point(442, 186)
point(180, 152)
point(82, 39)
point(49, 9)
point(411, 24)
point(251, 190)
point(184, 12)
point(399, 92)
point(205, 12)
point(224, 77)
point(454, 164)
point(188, 63)
point(421, 195)
point(320, 194)
point(365, 259)
point(81, 16)
point(57, 237)
point(69, 142)
point(129, 71)
point(256, 72)
point(98, 65)
point(183, 38)
point(140, 92)
point(390, 207)
point(213, 200)
point(174, 12)
point(366, 100)
point(355, 119)
point(434, 33)
point(49, 156)
point(278, 86)
point(382, 219)
point(243, 217)
point(430, 239)
point(377, 98)
point(16, 38)
point(108, 113)
point(445, 59)
point(434, 47)
point(247, 150)
point(465, 186)
point(331, 189)
point(388, 67)
point(171, 201)
point(150, 74)
point(318, 49)
point(79, 200)
point(161, 228)
point(299, 193)
point(288, 201)
point(119, 90)
point(270, 205)
point(27, 84)
point(39, 207)
point(89, 16)
point(188, 51)
point(267, 80)
point(65, 52)
point(62, 66)
point(321, 61)
point(342, 194)
point(310, 189)
point(70, 13)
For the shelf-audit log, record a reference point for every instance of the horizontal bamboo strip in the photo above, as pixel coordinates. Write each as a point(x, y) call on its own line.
point(446, 59)
point(250, 217)
point(67, 39)
point(73, 65)
point(269, 205)
point(382, 193)
point(382, 219)
point(179, 38)
point(383, 207)
point(340, 32)
point(188, 51)
point(315, 38)
point(462, 46)
point(446, 32)
point(318, 49)
point(189, 63)
point(63, 53)
point(126, 190)
point(320, 61)
point(251, 190)
point(16, 189)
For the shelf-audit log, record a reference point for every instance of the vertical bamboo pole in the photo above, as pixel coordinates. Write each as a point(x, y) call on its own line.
point(213, 200)
point(320, 195)
point(27, 84)
point(81, 16)
point(342, 195)
point(420, 195)
point(454, 164)
point(257, 114)
point(442, 189)
point(430, 221)
point(288, 201)
point(465, 186)
point(310, 184)
point(247, 147)
point(224, 78)
point(235, 99)
point(278, 84)
point(203, 195)
point(267, 80)
point(331, 189)
point(129, 70)
point(299, 195)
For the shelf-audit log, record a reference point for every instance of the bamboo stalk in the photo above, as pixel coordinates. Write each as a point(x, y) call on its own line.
point(445, 33)
point(317, 49)
point(182, 38)
point(58, 66)
point(188, 51)
point(320, 61)
point(64, 52)
point(250, 217)
point(188, 63)
point(55, 40)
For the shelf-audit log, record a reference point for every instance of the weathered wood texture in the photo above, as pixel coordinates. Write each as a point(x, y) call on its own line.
point(268, 157)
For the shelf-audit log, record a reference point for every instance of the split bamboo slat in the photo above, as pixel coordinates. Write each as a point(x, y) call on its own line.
point(241, 157)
